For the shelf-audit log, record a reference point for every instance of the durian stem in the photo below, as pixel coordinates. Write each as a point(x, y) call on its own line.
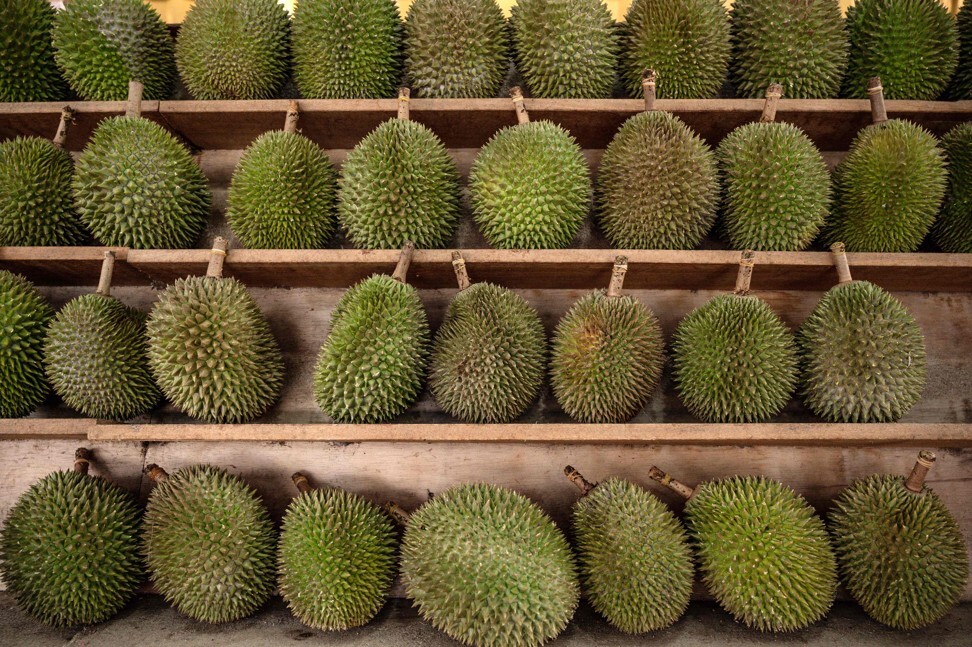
point(404, 260)
point(293, 115)
point(840, 261)
point(459, 267)
point(745, 273)
point(404, 94)
point(522, 116)
point(773, 94)
point(916, 480)
point(67, 117)
point(134, 107)
point(578, 479)
point(82, 460)
point(107, 266)
point(665, 479)
point(648, 86)
point(156, 473)
point(216, 258)
point(875, 92)
point(617, 276)
point(397, 513)
point(301, 482)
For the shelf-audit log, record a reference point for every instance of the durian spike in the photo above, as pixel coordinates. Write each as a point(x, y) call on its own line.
point(156, 473)
point(397, 513)
point(875, 92)
point(404, 260)
point(82, 459)
point(67, 117)
point(916, 480)
point(578, 479)
point(648, 86)
point(617, 276)
point(459, 267)
point(293, 115)
point(216, 258)
point(134, 106)
point(745, 273)
point(403, 98)
point(107, 267)
point(522, 116)
point(665, 479)
point(773, 94)
point(301, 483)
point(840, 261)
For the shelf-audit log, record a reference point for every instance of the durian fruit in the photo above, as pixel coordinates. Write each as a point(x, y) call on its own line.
point(635, 560)
point(336, 560)
point(911, 44)
point(489, 355)
point(28, 71)
point(282, 194)
point(24, 317)
point(399, 184)
point(900, 550)
point(96, 355)
point(69, 548)
point(36, 204)
point(530, 186)
point(565, 49)
point(607, 355)
point(685, 41)
point(735, 360)
point(801, 44)
point(103, 44)
point(888, 190)
point(135, 185)
point(776, 186)
point(371, 367)
point(347, 49)
point(209, 543)
point(211, 349)
point(234, 49)
point(961, 86)
point(658, 185)
point(456, 49)
point(953, 230)
point(862, 353)
point(764, 554)
point(489, 568)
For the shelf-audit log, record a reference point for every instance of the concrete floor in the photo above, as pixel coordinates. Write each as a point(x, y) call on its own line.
point(149, 622)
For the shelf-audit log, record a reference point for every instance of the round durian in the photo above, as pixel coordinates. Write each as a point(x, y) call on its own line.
point(234, 49)
point(28, 71)
point(456, 49)
point(565, 49)
point(801, 44)
point(530, 187)
point(888, 189)
point(103, 44)
point(658, 185)
point(685, 41)
point(209, 544)
point(911, 44)
point(399, 184)
point(347, 49)
point(488, 567)
point(953, 230)
point(24, 317)
point(961, 86)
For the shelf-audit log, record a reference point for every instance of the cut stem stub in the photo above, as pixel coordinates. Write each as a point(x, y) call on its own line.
point(404, 260)
point(156, 473)
point(134, 106)
point(67, 117)
point(839, 254)
point(82, 460)
point(648, 88)
point(301, 483)
point(522, 116)
point(665, 479)
point(745, 273)
point(397, 513)
point(916, 480)
point(578, 479)
point(773, 94)
point(216, 257)
point(404, 94)
point(875, 92)
point(459, 267)
point(617, 276)
point(293, 116)
point(107, 267)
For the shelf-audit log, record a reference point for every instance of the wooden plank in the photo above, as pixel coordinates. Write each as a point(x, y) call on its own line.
point(68, 265)
point(39, 428)
point(41, 119)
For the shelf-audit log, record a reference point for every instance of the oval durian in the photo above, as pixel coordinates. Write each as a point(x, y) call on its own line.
point(24, 317)
point(28, 71)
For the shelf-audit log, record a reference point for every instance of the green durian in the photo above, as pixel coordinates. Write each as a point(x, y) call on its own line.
point(658, 185)
point(763, 553)
point(953, 230)
point(211, 349)
point(685, 41)
point(489, 355)
point(336, 560)
point(565, 49)
point(399, 184)
point(911, 44)
point(234, 49)
point(607, 355)
point(283, 192)
point(801, 44)
point(372, 365)
point(209, 543)
point(961, 86)
point(456, 49)
point(103, 44)
point(347, 49)
point(69, 548)
point(901, 553)
point(489, 568)
point(862, 353)
point(635, 560)
point(28, 71)
point(24, 317)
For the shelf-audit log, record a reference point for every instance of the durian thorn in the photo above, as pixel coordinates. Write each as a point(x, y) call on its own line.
point(397, 513)
point(67, 117)
point(522, 116)
point(617, 276)
point(300, 481)
point(404, 94)
point(107, 267)
point(293, 115)
point(773, 94)
point(82, 459)
point(578, 479)
point(156, 473)
point(839, 254)
point(916, 480)
point(875, 92)
point(648, 85)
point(745, 274)
point(404, 260)
point(459, 267)
point(216, 257)
point(134, 106)
point(665, 479)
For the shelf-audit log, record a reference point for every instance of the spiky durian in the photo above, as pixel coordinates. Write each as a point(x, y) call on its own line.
point(211, 349)
point(961, 86)
point(634, 556)
point(69, 548)
point(28, 71)
point(456, 48)
point(347, 49)
point(209, 543)
point(565, 48)
point(102, 44)
point(763, 552)
point(911, 44)
point(900, 550)
point(24, 316)
point(953, 230)
point(685, 41)
point(336, 559)
point(234, 49)
point(489, 568)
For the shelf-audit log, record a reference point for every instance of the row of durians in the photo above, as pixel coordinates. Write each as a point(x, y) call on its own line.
point(659, 186)
point(860, 355)
point(483, 563)
point(341, 49)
